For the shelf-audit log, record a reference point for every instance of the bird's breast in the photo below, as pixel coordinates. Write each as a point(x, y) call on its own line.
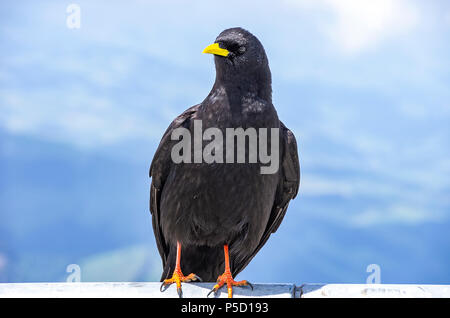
point(217, 201)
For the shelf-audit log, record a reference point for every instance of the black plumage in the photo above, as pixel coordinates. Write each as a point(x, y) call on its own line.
point(207, 205)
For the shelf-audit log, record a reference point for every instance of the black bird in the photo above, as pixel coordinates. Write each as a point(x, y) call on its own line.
point(221, 214)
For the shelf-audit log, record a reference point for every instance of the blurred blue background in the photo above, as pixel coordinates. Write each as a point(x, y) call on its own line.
point(364, 85)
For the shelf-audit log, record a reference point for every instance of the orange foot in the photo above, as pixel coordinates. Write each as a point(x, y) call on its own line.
point(178, 278)
point(227, 278)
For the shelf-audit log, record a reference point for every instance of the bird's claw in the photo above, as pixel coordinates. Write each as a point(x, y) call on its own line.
point(227, 279)
point(163, 287)
point(214, 290)
point(191, 278)
point(178, 278)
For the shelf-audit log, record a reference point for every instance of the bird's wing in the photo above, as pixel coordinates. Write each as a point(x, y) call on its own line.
point(286, 191)
point(159, 170)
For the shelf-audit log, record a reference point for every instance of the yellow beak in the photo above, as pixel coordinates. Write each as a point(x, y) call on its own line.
point(216, 49)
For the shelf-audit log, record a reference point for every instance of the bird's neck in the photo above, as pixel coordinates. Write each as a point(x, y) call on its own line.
point(253, 86)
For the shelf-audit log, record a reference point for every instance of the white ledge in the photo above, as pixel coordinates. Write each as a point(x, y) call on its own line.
point(373, 291)
point(200, 290)
point(137, 290)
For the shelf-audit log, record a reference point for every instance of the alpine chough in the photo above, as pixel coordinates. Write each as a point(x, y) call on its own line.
point(220, 213)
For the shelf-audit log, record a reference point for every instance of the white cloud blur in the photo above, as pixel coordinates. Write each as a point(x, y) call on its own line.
point(80, 119)
point(395, 214)
point(356, 26)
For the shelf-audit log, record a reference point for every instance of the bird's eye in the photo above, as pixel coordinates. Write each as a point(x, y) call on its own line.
point(222, 44)
point(233, 47)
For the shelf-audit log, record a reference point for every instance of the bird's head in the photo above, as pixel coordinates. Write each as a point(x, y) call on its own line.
point(238, 54)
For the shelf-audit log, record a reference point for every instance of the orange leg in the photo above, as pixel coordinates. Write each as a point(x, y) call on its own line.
point(177, 276)
point(227, 278)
